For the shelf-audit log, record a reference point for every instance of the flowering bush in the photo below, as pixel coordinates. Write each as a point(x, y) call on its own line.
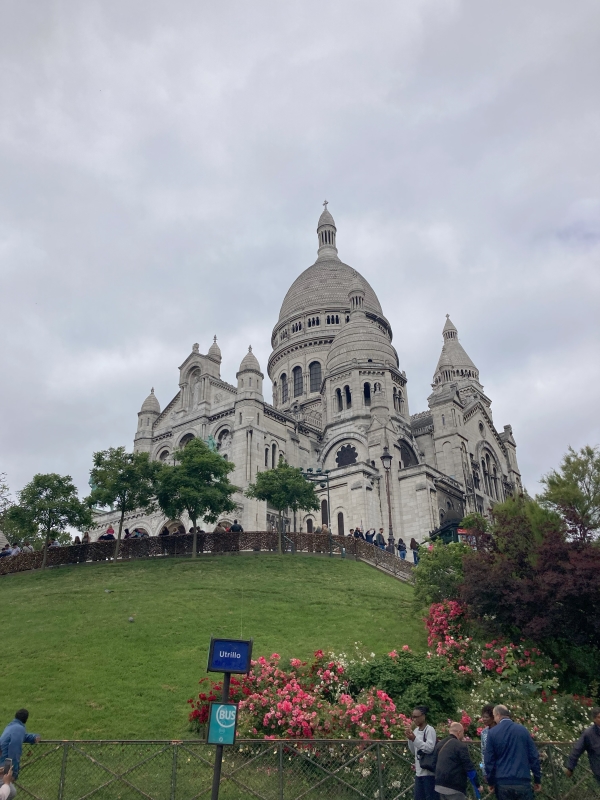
point(514, 674)
point(305, 700)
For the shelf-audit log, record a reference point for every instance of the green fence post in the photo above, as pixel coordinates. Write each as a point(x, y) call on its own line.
point(379, 772)
point(63, 772)
point(174, 772)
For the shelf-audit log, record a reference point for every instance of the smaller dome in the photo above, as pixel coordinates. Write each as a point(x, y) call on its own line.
point(325, 219)
point(151, 404)
point(214, 351)
point(249, 362)
point(362, 341)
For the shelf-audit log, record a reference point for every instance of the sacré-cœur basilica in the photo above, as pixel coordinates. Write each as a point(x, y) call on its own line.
point(339, 398)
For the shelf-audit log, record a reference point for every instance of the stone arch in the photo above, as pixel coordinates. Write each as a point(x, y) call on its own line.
point(186, 439)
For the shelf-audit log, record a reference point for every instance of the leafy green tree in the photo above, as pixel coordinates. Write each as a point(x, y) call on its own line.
point(5, 501)
point(18, 527)
point(284, 487)
point(439, 573)
point(49, 503)
point(124, 481)
point(197, 484)
point(475, 522)
point(573, 491)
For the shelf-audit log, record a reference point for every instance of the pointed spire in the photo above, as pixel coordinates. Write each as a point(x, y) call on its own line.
point(454, 364)
point(326, 232)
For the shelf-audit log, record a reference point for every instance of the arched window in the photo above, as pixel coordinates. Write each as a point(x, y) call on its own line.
point(317, 321)
point(164, 455)
point(267, 457)
point(340, 529)
point(273, 456)
point(367, 394)
point(186, 439)
point(284, 388)
point(324, 515)
point(315, 376)
point(298, 387)
point(338, 396)
point(495, 483)
point(309, 526)
point(348, 394)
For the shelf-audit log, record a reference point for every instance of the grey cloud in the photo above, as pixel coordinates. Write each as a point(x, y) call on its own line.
point(161, 173)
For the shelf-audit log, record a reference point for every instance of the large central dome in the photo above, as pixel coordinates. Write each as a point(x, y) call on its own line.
point(325, 284)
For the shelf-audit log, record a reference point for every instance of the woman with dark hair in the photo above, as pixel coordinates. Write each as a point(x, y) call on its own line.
point(487, 717)
point(414, 546)
point(421, 741)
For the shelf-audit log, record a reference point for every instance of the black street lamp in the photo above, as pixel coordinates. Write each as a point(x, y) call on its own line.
point(386, 460)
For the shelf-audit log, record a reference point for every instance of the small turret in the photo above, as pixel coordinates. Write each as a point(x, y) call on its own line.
point(454, 365)
point(214, 351)
point(147, 416)
point(326, 231)
point(249, 377)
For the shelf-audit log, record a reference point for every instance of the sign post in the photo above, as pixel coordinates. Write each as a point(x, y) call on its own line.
point(227, 656)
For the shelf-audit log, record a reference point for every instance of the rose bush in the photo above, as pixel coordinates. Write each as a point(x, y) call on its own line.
point(517, 675)
point(305, 700)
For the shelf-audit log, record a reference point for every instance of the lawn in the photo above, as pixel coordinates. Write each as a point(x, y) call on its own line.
point(72, 657)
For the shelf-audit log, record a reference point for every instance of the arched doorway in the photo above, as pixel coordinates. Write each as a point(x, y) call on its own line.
point(309, 526)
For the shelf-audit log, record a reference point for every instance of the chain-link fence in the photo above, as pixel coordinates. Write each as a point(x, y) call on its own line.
point(267, 770)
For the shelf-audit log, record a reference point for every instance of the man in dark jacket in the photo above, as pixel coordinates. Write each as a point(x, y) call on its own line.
point(510, 758)
point(590, 743)
point(454, 765)
point(236, 527)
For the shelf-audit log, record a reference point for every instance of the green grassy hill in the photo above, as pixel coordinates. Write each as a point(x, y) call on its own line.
point(71, 656)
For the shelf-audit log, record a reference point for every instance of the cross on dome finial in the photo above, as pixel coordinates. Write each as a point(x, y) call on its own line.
point(249, 348)
point(447, 316)
point(152, 390)
point(215, 338)
point(325, 204)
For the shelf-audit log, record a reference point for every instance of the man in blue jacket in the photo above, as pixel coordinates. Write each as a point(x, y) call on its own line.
point(510, 758)
point(11, 742)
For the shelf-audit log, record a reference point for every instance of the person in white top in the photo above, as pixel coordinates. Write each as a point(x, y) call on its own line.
point(7, 788)
point(422, 740)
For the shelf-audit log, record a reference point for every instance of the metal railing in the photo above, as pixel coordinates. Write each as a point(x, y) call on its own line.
point(210, 543)
point(289, 769)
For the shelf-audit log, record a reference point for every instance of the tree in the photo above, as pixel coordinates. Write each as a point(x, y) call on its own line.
point(5, 501)
point(439, 574)
point(535, 582)
point(197, 484)
point(284, 487)
point(124, 481)
point(574, 491)
point(50, 504)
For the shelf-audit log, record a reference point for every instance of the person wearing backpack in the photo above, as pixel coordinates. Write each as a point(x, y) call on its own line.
point(421, 742)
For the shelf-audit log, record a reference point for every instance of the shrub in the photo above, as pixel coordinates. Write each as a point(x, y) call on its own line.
point(410, 679)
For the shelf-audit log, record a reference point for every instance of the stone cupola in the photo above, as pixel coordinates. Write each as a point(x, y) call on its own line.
point(326, 231)
point(250, 378)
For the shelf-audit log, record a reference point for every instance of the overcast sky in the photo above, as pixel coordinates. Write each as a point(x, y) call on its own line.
point(163, 166)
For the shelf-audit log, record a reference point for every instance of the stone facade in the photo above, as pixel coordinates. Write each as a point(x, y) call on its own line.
point(339, 398)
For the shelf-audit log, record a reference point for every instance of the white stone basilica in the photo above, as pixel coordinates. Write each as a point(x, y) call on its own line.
point(339, 398)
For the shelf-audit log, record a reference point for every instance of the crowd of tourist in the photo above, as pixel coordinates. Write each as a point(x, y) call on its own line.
point(378, 539)
point(510, 762)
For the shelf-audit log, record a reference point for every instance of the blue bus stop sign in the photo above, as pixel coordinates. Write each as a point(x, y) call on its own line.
point(222, 723)
point(230, 655)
